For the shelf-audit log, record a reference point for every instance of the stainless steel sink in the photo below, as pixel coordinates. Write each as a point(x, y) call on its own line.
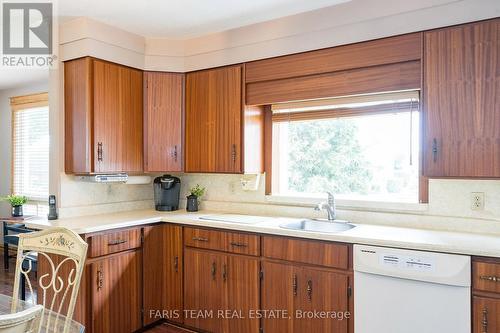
point(318, 226)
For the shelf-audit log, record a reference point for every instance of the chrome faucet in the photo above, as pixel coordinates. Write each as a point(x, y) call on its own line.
point(328, 206)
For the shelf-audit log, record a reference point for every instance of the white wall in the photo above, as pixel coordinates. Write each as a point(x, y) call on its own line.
point(6, 135)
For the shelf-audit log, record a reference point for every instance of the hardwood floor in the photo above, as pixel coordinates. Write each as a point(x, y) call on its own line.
point(167, 328)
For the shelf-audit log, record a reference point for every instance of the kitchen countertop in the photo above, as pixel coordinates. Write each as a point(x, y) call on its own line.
point(368, 234)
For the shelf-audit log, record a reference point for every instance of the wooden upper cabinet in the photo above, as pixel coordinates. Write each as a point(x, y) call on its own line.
point(163, 121)
point(216, 121)
point(462, 101)
point(103, 112)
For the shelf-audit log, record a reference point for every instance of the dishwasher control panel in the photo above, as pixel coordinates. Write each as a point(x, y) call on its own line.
point(412, 263)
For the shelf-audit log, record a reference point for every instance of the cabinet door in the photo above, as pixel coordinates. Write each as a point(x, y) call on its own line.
point(462, 101)
point(173, 272)
point(321, 291)
point(228, 105)
point(117, 118)
point(203, 290)
point(162, 273)
point(116, 293)
point(486, 315)
point(279, 291)
point(214, 120)
point(241, 276)
point(163, 122)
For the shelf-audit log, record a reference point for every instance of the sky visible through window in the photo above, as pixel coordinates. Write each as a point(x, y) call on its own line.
point(369, 157)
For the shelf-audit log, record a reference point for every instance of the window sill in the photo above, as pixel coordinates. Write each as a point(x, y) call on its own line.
point(347, 204)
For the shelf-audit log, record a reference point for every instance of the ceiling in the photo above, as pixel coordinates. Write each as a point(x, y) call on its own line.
point(187, 18)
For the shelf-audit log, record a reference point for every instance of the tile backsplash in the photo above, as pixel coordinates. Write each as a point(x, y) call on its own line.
point(449, 205)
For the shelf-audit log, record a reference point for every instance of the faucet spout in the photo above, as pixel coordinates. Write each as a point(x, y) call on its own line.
point(329, 207)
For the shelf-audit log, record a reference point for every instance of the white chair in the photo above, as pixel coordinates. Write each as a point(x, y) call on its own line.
point(26, 321)
point(65, 253)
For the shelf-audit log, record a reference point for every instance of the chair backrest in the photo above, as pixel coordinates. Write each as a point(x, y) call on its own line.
point(26, 321)
point(64, 254)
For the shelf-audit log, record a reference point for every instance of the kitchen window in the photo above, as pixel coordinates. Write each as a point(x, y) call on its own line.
point(30, 151)
point(360, 147)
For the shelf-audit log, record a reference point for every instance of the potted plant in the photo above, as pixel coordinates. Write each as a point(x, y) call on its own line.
point(193, 199)
point(17, 202)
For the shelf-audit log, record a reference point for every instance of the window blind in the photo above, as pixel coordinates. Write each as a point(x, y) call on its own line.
point(347, 106)
point(30, 149)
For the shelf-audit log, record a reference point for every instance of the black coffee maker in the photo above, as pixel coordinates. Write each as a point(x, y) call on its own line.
point(167, 189)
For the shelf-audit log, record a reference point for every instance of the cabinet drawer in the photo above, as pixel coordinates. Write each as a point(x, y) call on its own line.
point(306, 251)
point(107, 243)
point(233, 242)
point(486, 276)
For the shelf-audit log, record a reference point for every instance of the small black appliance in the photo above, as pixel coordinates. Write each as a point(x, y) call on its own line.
point(167, 189)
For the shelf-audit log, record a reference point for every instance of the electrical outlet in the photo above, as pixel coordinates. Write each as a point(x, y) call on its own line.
point(477, 200)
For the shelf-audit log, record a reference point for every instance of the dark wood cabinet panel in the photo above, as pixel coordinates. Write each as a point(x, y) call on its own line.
point(78, 140)
point(485, 314)
point(391, 77)
point(173, 272)
point(279, 291)
point(203, 289)
point(213, 120)
point(116, 293)
point(162, 273)
point(103, 117)
point(234, 242)
point(306, 251)
point(462, 101)
point(321, 291)
point(301, 290)
point(366, 54)
point(117, 118)
point(163, 121)
point(242, 293)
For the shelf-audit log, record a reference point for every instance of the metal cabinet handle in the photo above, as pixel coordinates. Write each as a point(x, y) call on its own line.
point(100, 279)
point(309, 290)
point(174, 153)
point(490, 278)
point(233, 152)
point(176, 264)
point(200, 239)
point(214, 270)
point(117, 242)
point(434, 149)
point(484, 322)
point(224, 272)
point(99, 151)
point(294, 284)
point(238, 244)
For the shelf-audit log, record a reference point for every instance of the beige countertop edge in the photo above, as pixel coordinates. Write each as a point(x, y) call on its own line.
point(367, 234)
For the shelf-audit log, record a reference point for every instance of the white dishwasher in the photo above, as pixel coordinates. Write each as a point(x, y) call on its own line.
point(406, 291)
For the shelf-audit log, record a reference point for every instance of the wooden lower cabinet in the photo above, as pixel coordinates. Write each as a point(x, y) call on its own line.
point(220, 291)
point(203, 294)
point(162, 273)
point(304, 293)
point(116, 293)
point(485, 314)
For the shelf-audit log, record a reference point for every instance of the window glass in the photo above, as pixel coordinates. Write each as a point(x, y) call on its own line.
point(366, 156)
